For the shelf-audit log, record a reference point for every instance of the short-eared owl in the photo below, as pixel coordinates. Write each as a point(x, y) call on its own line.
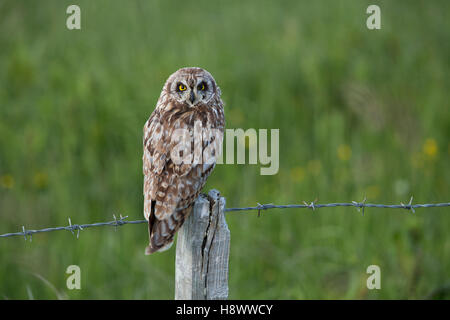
point(182, 139)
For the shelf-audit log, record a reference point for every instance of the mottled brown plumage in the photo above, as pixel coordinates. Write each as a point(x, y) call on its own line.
point(182, 139)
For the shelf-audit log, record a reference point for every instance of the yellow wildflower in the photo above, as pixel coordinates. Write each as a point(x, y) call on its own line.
point(7, 181)
point(40, 180)
point(344, 152)
point(430, 148)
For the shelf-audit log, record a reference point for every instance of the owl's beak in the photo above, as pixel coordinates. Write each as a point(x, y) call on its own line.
point(192, 96)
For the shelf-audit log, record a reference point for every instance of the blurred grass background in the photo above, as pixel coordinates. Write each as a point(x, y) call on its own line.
point(360, 113)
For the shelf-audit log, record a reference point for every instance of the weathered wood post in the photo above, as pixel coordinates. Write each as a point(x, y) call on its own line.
point(202, 253)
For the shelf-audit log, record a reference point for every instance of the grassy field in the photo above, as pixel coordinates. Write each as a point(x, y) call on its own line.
point(360, 112)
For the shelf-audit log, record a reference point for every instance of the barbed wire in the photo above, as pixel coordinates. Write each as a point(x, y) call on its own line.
point(117, 222)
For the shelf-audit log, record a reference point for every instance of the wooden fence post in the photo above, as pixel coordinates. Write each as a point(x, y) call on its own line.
point(203, 247)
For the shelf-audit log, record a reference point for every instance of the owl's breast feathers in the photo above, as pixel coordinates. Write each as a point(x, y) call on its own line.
point(173, 176)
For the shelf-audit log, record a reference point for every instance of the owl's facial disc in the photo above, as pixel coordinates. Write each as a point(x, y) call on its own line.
point(193, 90)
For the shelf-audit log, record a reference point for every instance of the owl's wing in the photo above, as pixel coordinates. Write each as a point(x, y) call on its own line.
point(160, 172)
point(171, 187)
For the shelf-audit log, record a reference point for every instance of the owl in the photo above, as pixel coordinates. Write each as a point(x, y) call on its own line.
point(182, 140)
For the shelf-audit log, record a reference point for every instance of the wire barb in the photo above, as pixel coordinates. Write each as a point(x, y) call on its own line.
point(73, 227)
point(311, 205)
point(360, 205)
point(260, 207)
point(119, 222)
point(409, 206)
point(115, 223)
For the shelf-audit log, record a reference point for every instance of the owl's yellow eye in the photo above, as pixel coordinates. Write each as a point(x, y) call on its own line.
point(181, 87)
point(201, 86)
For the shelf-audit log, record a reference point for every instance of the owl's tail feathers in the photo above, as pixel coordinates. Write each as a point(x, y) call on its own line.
point(150, 249)
point(162, 232)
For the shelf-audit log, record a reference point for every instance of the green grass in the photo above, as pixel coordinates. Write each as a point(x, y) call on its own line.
point(360, 113)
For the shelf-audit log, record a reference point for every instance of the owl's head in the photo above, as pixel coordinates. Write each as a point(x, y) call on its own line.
point(192, 86)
